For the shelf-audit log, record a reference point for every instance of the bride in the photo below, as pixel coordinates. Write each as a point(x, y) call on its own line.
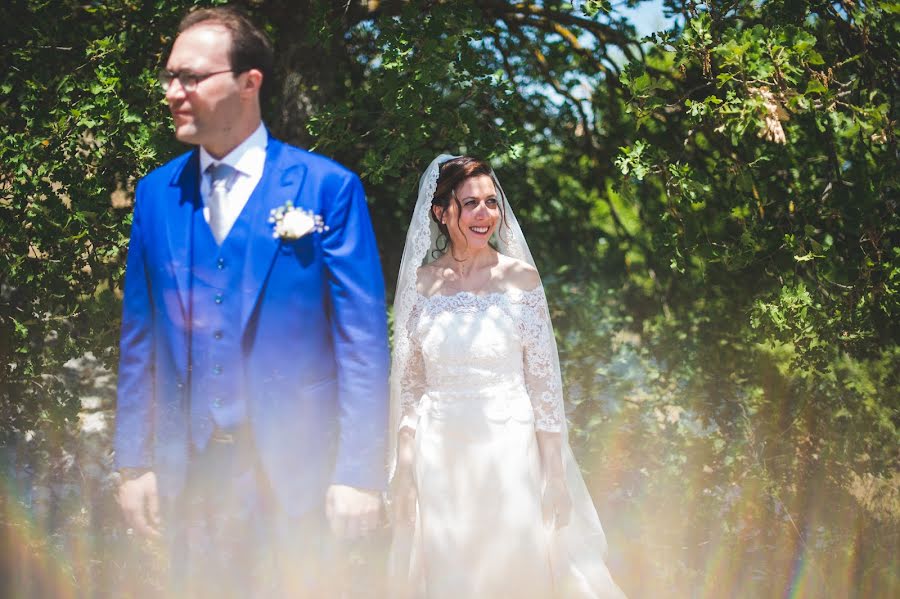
point(487, 498)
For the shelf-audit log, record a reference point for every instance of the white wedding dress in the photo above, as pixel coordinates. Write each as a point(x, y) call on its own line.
point(476, 376)
point(479, 381)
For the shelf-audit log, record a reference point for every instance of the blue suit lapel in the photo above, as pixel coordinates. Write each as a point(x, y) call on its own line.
point(281, 181)
point(186, 184)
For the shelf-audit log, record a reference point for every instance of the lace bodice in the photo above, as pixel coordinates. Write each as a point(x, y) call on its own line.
point(468, 346)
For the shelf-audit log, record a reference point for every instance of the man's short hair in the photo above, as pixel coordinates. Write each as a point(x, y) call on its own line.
point(250, 47)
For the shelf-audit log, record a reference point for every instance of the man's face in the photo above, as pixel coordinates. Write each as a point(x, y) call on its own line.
point(206, 115)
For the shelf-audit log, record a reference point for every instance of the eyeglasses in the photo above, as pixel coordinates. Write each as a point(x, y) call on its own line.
point(188, 81)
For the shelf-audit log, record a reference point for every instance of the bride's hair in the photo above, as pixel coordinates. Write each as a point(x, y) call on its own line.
point(452, 174)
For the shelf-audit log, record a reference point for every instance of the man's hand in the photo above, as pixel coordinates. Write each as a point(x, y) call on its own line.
point(139, 501)
point(352, 512)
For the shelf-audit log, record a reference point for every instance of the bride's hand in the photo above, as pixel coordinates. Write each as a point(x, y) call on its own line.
point(557, 503)
point(404, 497)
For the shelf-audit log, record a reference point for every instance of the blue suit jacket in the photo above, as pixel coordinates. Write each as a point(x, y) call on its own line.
point(314, 334)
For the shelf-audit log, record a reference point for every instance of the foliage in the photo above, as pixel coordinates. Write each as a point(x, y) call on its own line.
point(762, 164)
point(79, 122)
point(781, 122)
point(762, 167)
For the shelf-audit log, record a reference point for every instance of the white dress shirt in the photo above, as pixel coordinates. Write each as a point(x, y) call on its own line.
point(249, 160)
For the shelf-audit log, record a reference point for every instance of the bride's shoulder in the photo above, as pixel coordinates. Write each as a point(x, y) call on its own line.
point(518, 274)
point(428, 279)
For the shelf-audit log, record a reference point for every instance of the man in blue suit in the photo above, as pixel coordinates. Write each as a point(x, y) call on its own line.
point(252, 400)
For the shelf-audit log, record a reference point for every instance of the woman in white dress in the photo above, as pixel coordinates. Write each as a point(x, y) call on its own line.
point(487, 498)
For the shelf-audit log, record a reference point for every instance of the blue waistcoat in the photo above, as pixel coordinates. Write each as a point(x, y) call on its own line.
point(218, 393)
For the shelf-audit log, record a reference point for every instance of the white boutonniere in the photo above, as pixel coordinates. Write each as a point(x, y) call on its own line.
point(292, 223)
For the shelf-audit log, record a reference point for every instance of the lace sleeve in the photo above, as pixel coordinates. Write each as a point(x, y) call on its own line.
point(412, 379)
point(542, 378)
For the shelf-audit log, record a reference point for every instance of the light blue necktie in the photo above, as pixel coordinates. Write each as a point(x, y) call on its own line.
point(221, 178)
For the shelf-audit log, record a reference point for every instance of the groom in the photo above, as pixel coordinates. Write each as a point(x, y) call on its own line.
point(252, 400)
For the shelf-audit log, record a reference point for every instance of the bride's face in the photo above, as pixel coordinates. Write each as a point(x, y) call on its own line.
point(471, 222)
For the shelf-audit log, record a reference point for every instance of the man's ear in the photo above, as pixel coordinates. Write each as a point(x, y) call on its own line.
point(252, 82)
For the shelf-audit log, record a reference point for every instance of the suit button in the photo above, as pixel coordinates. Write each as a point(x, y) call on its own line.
point(218, 334)
point(217, 369)
point(219, 298)
point(220, 263)
point(179, 386)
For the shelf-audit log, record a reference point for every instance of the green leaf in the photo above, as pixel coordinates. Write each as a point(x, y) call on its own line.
point(815, 86)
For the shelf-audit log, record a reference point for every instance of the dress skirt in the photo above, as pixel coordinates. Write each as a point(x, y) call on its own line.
point(480, 531)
